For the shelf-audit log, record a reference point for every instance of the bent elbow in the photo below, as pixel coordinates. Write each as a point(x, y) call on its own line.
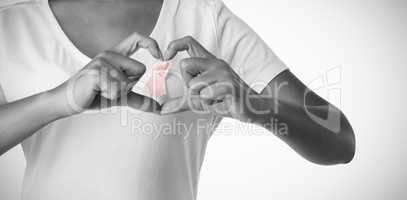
point(342, 151)
point(349, 150)
point(346, 151)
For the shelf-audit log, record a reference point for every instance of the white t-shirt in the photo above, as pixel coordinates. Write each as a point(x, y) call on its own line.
point(120, 153)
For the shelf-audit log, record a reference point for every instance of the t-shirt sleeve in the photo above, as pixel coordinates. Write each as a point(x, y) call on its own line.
point(244, 50)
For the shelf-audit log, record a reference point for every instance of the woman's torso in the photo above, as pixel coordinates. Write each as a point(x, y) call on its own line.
point(115, 153)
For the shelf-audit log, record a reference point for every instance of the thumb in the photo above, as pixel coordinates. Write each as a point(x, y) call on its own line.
point(181, 104)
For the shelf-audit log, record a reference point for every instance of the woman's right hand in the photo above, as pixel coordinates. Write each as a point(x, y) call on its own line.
point(107, 80)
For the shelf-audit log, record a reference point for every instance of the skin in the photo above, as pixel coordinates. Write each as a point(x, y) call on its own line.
point(213, 85)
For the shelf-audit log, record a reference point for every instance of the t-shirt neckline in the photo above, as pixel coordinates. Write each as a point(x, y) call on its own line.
point(67, 42)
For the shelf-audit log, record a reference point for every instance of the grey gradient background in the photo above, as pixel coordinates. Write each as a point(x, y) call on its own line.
point(367, 41)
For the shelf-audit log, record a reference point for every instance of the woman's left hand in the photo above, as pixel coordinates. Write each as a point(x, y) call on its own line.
point(213, 86)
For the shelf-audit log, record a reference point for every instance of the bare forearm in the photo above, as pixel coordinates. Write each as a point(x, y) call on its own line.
point(318, 143)
point(20, 119)
point(312, 126)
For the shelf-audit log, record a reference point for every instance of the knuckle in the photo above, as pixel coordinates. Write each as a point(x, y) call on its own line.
point(97, 62)
point(149, 41)
point(114, 73)
point(189, 38)
point(153, 42)
point(208, 90)
point(171, 45)
point(141, 69)
point(137, 67)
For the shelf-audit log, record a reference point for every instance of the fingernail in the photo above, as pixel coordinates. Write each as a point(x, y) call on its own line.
point(204, 94)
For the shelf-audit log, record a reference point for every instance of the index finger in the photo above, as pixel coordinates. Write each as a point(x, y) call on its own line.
point(188, 44)
point(129, 66)
point(135, 41)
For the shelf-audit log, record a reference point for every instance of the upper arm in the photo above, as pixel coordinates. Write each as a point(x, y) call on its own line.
point(243, 49)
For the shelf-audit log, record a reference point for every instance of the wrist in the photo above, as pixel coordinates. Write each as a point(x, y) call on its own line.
point(58, 103)
point(259, 110)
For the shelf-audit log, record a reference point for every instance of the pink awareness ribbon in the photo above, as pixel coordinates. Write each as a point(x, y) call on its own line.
point(155, 86)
